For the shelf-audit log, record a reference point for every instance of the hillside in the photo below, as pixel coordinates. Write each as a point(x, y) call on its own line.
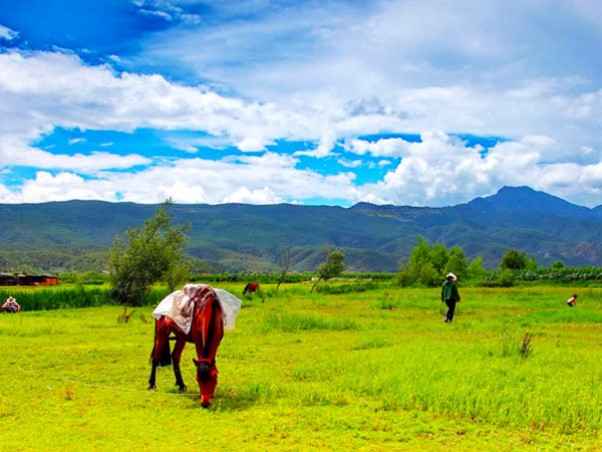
point(75, 235)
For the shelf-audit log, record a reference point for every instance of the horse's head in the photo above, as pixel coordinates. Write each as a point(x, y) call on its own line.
point(203, 369)
point(207, 331)
point(206, 375)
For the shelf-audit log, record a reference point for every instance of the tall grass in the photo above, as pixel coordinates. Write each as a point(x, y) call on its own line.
point(69, 296)
point(61, 297)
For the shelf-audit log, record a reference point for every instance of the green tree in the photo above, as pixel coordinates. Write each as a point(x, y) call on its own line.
point(476, 270)
point(419, 256)
point(176, 274)
point(557, 265)
point(439, 257)
point(428, 264)
point(150, 253)
point(513, 260)
point(457, 263)
point(428, 275)
point(331, 267)
point(531, 264)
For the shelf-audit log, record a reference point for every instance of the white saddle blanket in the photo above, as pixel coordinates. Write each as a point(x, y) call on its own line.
point(179, 307)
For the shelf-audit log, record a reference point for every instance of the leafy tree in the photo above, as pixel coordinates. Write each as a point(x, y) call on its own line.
point(427, 264)
point(331, 267)
point(457, 263)
point(476, 269)
point(148, 254)
point(419, 256)
point(439, 257)
point(558, 265)
point(531, 264)
point(513, 260)
point(428, 274)
point(176, 274)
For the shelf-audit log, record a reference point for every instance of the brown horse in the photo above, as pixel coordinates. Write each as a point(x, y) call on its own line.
point(252, 287)
point(206, 332)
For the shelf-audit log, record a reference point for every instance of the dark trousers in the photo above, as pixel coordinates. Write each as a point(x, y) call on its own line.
point(451, 307)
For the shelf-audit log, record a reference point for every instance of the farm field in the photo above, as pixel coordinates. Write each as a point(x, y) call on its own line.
point(369, 371)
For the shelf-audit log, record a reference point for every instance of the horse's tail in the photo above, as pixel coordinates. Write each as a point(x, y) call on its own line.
point(165, 357)
point(246, 289)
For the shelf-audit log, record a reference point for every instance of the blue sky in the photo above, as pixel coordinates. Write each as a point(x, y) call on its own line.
point(406, 102)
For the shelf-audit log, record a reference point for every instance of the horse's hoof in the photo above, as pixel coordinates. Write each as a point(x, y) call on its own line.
point(182, 388)
point(152, 388)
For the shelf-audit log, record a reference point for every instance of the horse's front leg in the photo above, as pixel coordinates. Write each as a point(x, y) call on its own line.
point(175, 356)
point(152, 385)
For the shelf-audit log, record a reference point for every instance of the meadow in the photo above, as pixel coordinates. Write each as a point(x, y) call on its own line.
point(372, 370)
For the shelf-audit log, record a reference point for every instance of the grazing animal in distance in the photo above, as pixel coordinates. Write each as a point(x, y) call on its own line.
point(252, 287)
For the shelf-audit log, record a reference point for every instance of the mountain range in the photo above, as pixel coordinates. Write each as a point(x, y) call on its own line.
point(75, 235)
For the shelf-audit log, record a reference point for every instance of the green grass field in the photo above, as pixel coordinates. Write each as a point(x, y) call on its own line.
point(377, 370)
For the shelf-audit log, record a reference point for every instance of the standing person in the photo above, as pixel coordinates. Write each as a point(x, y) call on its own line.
point(450, 296)
point(11, 305)
point(571, 302)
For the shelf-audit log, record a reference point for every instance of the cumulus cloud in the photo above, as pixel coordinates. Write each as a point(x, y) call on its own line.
point(57, 89)
point(258, 196)
point(265, 179)
point(442, 170)
point(61, 187)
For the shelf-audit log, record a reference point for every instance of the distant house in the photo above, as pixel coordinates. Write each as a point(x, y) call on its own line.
point(28, 280)
point(7, 280)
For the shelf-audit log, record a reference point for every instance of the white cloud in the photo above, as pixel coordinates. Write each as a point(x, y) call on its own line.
point(13, 152)
point(265, 179)
point(62, 91)
point(7, 34)
point(62, 187)
point(443, 170)
point(258, 196)
point(350, 163)
point(389, 147)
point(166, 10)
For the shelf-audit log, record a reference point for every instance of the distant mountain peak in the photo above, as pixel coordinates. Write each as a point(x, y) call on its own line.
point(526, 199)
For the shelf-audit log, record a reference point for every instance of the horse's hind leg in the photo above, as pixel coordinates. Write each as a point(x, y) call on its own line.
point(152, 385)
point(155, 362)
point(159, 355)
point(175, 356)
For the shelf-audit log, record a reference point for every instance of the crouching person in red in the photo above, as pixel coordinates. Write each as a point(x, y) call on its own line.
point(11, 305)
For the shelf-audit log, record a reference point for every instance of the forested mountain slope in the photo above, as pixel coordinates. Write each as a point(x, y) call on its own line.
point(75, 235)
